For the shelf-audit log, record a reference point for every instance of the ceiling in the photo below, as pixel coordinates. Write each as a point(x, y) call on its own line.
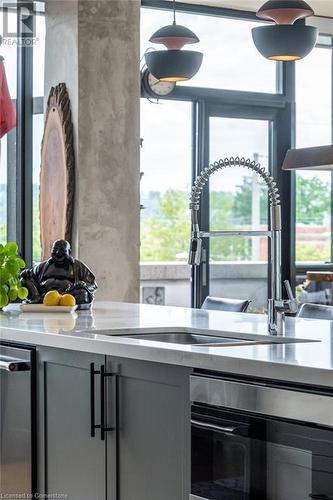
point(321, 7)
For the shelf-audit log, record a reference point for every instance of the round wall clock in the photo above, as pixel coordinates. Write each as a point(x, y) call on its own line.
point(152, 87)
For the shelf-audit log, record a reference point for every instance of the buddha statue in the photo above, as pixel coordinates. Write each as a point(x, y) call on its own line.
point(60, 272)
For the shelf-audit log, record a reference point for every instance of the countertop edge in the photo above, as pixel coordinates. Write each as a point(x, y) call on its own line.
point(263, 369)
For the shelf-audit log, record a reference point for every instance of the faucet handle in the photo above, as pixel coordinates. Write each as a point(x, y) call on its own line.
point(293, 304)
point(289, 290)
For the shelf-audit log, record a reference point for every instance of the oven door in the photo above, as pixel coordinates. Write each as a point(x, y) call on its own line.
point(239, 455)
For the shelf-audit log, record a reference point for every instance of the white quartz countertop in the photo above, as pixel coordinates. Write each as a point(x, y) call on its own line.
point(99, 331)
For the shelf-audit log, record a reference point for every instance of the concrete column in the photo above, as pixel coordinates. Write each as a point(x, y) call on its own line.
point(103, 58)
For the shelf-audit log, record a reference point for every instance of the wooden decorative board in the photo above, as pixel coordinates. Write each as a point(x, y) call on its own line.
point(57, 171)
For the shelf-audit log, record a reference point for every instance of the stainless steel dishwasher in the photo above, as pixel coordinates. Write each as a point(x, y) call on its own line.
point(17, 421)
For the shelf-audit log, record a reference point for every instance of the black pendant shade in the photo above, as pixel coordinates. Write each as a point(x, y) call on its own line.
point(315, 158)
point(174, 36)
point(285, 11)
point(173, 64)
point(283, 42)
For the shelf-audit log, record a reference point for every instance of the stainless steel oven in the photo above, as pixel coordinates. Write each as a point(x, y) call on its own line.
point(258, 441)
point(17, 422)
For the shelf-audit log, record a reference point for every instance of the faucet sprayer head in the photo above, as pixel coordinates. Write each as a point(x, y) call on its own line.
point(194, 257)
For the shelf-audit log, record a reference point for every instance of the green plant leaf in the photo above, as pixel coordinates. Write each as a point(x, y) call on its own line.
point(22, 293)
point(20, 262)
point(3, 299)
point(10, 266)
point(13, 267)
point(11, 248)
point(4, 276)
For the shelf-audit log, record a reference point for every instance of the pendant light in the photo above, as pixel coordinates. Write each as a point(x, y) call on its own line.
point(285, 41)
point(173, 64)
point(315, 158)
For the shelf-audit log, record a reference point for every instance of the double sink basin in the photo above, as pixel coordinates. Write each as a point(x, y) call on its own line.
point(218, 340)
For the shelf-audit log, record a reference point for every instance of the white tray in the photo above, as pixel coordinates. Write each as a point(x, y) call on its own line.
point(47, 309)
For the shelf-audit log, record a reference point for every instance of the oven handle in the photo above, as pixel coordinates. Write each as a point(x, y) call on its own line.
point(14, 365)
point(217, 428)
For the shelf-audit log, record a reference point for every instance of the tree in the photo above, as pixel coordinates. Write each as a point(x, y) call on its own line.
point(165, 233)
point(313, 200)
point(312, 252)
point(165, 236)
point(222, 211)
point(243, 202)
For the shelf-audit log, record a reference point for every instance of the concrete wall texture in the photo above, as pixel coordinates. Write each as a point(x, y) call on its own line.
point(93, 46)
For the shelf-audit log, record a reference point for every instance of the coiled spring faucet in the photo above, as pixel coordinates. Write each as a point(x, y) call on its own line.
point(277, 307)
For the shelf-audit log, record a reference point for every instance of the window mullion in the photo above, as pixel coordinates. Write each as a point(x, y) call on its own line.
point(24, 143)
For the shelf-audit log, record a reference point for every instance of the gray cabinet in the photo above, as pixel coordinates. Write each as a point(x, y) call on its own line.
point(153, 436)
point(71, 462)
point(145, 451)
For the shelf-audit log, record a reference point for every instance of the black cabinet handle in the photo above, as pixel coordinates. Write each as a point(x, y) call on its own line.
point(105, 429)
point(93, 425)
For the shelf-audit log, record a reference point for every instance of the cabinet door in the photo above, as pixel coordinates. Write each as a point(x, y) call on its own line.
point(153, 438)
point(71, 462)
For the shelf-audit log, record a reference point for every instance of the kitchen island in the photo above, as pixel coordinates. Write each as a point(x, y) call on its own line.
point(114, 409)
point(307, 357)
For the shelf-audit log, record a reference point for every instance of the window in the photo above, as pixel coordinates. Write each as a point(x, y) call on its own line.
point(314, 128)
point(8, 142)
point(165, 184)
point(239, 202)
point(181, 135)
point(20, 148)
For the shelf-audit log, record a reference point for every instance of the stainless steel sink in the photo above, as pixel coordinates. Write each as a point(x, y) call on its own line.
point(195, 339)
point(188, 339)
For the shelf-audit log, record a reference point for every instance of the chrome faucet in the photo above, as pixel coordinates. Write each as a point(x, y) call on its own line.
point(277, 307)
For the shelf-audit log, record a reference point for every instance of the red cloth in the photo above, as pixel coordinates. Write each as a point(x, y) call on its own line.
point(7, 109)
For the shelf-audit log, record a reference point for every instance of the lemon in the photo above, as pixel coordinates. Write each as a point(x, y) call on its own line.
point(67, 300)
point(52, 298)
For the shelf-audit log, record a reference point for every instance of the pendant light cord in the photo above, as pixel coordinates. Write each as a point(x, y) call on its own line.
point(174, 11)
